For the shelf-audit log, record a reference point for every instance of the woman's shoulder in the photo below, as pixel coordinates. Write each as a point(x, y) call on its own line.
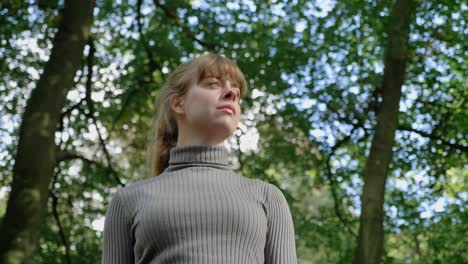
point(262, 185)
point(134, 187)
point(256, 181)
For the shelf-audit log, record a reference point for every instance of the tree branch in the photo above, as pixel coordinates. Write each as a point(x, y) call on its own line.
point(154, 65)
point(68, 112)
point(57, 218)
point(66, 156)
point(186, 30)
point(333, 185)
point(433, 136)
point(90, 105)
point(61, 155)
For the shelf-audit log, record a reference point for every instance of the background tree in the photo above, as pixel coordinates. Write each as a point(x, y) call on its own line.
point(32, 172)
point(370, 243)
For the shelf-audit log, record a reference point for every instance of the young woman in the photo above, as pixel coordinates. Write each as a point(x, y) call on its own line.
point(196, 209)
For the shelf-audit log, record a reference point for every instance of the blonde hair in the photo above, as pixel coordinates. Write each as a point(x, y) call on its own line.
point(164, 131)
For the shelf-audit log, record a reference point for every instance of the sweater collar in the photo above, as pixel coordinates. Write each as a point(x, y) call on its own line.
point(198, 155)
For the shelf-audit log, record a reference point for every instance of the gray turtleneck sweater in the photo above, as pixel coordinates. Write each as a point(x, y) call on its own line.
point(199, 211)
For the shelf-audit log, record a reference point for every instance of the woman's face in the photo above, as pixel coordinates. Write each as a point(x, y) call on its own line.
point(203, 110)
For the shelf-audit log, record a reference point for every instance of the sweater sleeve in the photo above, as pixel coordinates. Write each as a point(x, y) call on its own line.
point(280, 244)
point(117, 238)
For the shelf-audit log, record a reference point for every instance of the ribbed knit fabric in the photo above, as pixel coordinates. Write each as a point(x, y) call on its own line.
point(199, 211)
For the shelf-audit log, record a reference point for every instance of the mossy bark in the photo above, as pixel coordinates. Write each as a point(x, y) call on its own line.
point(35, 156)
point(371, 234)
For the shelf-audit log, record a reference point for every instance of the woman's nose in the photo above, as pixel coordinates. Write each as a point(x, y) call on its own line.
point(230, 94)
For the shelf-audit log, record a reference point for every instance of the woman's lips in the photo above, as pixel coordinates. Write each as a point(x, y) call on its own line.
point(228, 108)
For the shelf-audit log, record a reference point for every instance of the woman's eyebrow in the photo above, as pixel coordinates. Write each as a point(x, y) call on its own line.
point(213, 78)
point(207, 79)
point(235, 84)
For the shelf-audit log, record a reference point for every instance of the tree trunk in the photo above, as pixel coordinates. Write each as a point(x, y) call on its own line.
point(371, 235)
point(35, 156)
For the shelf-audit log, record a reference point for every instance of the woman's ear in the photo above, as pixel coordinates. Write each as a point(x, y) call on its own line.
point(177, 104)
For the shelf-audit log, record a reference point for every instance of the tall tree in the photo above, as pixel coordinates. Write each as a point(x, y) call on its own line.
point(371, 233)
point(36, 152)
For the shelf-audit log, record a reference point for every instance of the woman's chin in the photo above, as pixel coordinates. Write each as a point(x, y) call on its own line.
point(224, 131)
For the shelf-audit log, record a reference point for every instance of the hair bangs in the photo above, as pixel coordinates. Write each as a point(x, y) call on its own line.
point(222, 68)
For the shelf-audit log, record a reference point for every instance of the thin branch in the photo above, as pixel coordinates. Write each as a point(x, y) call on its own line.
point(68, 112)
point(371, 107)
point(331, 177)
point(106, 153)
point(90, 105)
point(89, 77)
point(66, 156)
point(61, 155)
point(81, 75)
point(185, 29)
point(333, 184)
point(154, 65)
point(433, 136)
point(57, 218)
point(125, 104)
